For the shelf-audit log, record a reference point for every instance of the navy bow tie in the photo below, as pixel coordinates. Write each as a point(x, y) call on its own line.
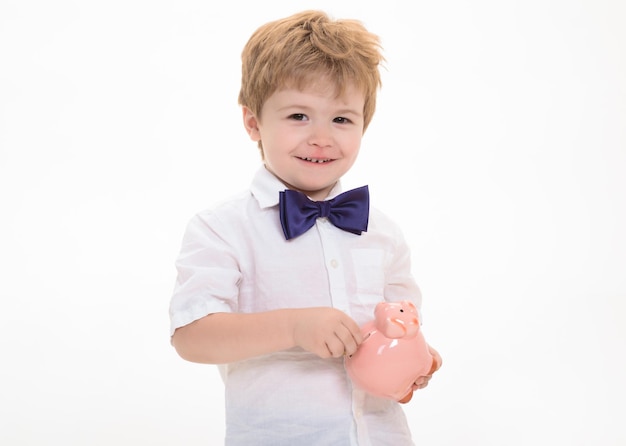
point(348, 211)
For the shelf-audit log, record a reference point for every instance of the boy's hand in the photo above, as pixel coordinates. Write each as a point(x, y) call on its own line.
point(422, 381)
point(327, 332)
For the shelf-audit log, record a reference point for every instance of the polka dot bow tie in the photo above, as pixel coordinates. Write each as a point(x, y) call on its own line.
point(348, 211)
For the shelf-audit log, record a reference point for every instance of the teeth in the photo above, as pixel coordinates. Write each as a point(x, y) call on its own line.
point(314, 160)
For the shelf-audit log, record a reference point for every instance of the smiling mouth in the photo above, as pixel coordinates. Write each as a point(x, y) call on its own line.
point(316, 160)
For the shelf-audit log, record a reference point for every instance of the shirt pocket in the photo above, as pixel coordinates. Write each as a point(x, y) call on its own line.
point(369, 272)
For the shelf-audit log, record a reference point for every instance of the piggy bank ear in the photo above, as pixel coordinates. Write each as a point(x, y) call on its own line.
point(410, 306)
point(380, 315)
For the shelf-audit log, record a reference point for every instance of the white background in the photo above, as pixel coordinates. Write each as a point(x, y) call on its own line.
point(500, 123)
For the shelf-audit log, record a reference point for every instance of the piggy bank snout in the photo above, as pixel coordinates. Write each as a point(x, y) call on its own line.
point(397, 320)
point(403, 328)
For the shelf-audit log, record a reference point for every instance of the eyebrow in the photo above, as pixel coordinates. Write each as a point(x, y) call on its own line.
point(343, 111)
point(349, 111)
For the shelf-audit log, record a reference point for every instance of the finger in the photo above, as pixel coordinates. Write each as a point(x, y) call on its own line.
point(336, 347)
point(350, 349)
point(422, 381)
point(350, 344)
point(354, 330)
point(420, 386)
point(348, 336)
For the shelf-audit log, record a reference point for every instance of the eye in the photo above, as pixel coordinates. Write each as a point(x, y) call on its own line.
point(401, 310)
point(298, 116)
point(341, 120)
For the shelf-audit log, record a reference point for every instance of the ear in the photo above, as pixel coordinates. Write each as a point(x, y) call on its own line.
point(251, 123)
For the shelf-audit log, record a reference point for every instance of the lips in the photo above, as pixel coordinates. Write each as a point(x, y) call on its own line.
point(316, 160)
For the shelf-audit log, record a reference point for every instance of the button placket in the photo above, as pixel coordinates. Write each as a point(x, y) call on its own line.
point(333, 262)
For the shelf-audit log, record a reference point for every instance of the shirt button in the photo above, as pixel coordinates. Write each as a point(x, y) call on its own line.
point(334, 263)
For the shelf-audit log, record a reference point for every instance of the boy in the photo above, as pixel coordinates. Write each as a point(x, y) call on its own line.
point(278, 306)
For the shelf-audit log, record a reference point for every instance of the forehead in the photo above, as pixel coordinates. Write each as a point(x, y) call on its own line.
point(321, 83)
point(319, 92)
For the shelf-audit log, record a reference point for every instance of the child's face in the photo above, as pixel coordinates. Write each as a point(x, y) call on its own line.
point(310, 138)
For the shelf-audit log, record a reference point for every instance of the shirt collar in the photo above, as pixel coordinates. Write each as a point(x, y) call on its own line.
point(266, 187)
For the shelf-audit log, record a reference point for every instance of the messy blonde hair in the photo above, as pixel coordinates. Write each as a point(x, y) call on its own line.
point(295, 52)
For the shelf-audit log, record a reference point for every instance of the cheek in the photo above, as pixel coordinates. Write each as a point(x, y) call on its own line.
point(352, 143)
point(279, 138)
point(353, 151)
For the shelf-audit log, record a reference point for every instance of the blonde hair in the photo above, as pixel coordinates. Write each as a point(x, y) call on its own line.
point(296, 51)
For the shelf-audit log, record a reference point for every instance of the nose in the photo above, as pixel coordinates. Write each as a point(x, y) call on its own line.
point(321, 135)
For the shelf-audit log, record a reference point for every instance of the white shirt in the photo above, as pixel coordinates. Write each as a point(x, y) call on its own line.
point(235, 258)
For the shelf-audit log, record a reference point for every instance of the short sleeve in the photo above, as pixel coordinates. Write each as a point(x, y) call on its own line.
point(400, 283)
point(208, 275)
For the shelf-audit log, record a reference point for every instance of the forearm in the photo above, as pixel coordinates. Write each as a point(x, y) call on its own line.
point(227, 337)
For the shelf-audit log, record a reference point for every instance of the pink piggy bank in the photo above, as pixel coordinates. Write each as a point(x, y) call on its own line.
point(393, 353)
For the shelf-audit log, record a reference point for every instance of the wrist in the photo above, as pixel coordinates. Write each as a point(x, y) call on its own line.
point(290, 320)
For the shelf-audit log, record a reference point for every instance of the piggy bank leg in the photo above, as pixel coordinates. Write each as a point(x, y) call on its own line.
point(405, 399)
